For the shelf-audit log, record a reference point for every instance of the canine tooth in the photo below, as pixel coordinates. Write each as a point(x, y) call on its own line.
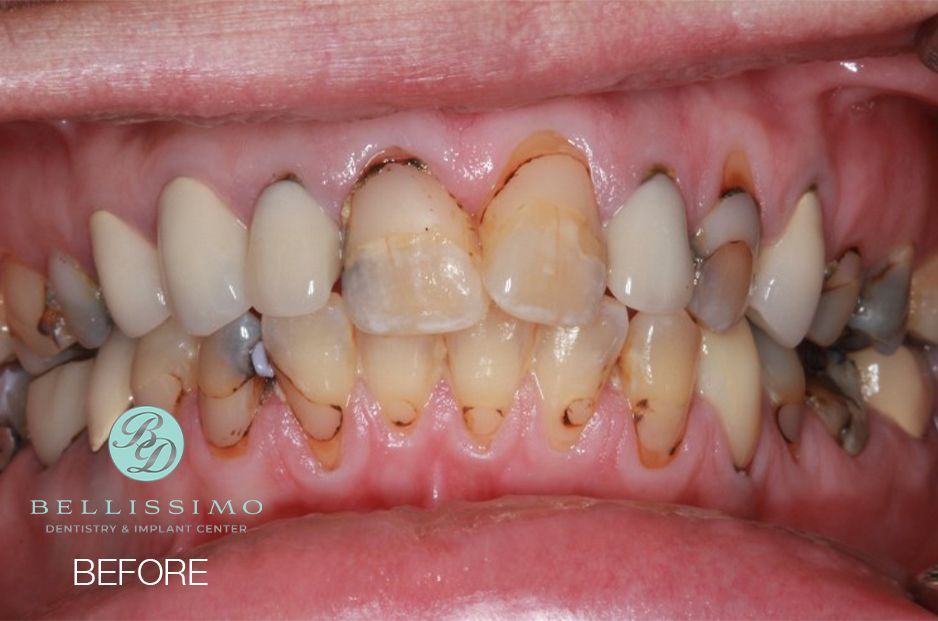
point(570, 364)
point(845, 420)
point(789, 274)
point(14, 384)
point(838, 300)
point(109, 393)
point(884, 301)
point(129, 270)
point(165, 366)
point(55, 408)
point(294, 252)
point(37, 365)
point(898, 386)
point(728, 378)
point(722, 287)
point(80, 300)
point(659, 365)
point(923, 301)
point(734, 219)
point(542, 249)
point(31, 319)
point(9, 443)
point(411, 257)
point(650, 264)
point(203, 248)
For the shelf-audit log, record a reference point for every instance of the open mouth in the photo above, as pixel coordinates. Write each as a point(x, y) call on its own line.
point(587, 310)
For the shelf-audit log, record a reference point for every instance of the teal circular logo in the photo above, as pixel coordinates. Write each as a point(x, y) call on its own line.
point(146, 443)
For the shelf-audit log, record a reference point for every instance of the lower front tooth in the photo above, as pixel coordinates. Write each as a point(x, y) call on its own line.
point(571, 364)
point(80, 299)
point(898, 386)
point(225, 420)
point(845, 419)
point(784, 381)
point(55, 408)
point(30, 318)
point(838, 300)
point(659, 365)
point(165, 366)
point(109, 393)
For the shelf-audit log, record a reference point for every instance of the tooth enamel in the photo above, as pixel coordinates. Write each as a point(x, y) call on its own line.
point(571, 364)
point(789, 274)
point(109, 393)
point(410, 257)
point(722, 287)
point(734, 219)
point(784, 381)
point(838, 300)
point(165, 366)
point(225, 420)
point(80, 301)
point(14, 384)
point(6, 340)
point(401, 371)
point(486, 364)
point(8, 446)
point(728, 378)
point(129, 270)
point(789, 419)
point(543, 255)
point(884, 301)
point(659, 365)
point(293, 252)
point(650, 263)
point(35, 364)
point(203, 248)
point(39, 327)
point(898, 386)
point(845, 419)
point(923, 301)
point(55, 409)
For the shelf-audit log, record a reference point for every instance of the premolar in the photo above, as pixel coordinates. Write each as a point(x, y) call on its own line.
point(37, 326)
point(56, 409)
point(80, 300)
point(109, 392)
point(165, 366)
point(838, 299)
point(898, 385)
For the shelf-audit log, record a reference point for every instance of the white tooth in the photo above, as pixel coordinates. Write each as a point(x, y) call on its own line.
point(789, 275)
point(129, 269)
point(80, 300)
point(728, 378)
point(571, 364)
point(6, 340)
point(838, 300)
point(294, 252)
point(735, 218)
point(543, 255)
point(203, 248)
point(650, 264)
point(923, 301)
point(109, 393)
point(225, 420)
point(899, 386)
point(165, 366)
point(55, 409)
point(410, 257)
point(24, 295)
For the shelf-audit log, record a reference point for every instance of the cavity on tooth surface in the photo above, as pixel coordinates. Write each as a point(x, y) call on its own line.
point(411, 256)
point(722, 287)
point(225, 420)
point(844, 418)
point(899, 386)
point(571, 363)
point(659, 366)
point(543, 256)
point(789, 274)
point(294, 252)
point(55, 409)
point(923, 301)
point(203, 248)
point(129, 270)
point(24, 296)
point(80, 300)
point(109, 393)
point(225, 356)
point(650, 264)
point(883, 306)
point(165, 366)
point(734, 219)
point(728, 378)
point(838, 300)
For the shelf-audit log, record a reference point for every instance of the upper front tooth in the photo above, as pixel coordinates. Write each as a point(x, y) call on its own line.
point(543, 256)
point(898, 386)
point(129, 269)
point(109, 393)
point(293, 253)
point(203, 247)
point(650, 263)
point(31, 320)
point(80, 299)
point(923, 301)
point(734, 219)
point(884, 301)
point(410, 257)
point(571, 364)
point(789, 275)
point(55, 408)
point(784, 381)
point(838, 300)
point(164, 367)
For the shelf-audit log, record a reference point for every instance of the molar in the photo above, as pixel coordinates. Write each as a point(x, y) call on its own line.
point(784, 381)
point(80, 300)
point(923, 301)
point(838, 299)
point(36, 323)
point(899, 386)
point(109, 392)
point(164, 366)
point(883, 306)
point(56, 409)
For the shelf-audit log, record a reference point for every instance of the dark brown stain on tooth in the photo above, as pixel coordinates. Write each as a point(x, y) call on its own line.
point(883, 306)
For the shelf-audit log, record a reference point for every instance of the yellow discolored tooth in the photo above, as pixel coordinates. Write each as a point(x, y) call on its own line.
point(294, 252)
point(923, 301)
point(898, 386)
point(40, 327)
point(129, 270)
point(659, 366)
point(55, 409)
point(543, 255)
point(486, 362)
point(225, 420)
point(838, 299)
point(411, 256)
point(203, 248)
point(165, 366)
point(728, 378)
point(80, 300)
point(109, 393)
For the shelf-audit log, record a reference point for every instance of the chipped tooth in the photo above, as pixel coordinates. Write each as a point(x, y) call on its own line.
point(543, 255)
point(129, 270)
point(486, 363)
point(37, 365)
point(659, 365)
point(225, 420)
point(898, 386)
point(571, 364)
point(80, 300)
point(845, 419)
point(203, 248)
point(55, 409)
point(32, 320)
point(838, 300)
point(789, 274)
point(734, 219)
point(411, 256)
point(650, 264)
point(728, 378)
point(9, 443)
point(165, 366)
point(883, 306)
point(722, 287)
point(923, 301)
point(14, 384)
point(109, 393)
point(294, 252)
